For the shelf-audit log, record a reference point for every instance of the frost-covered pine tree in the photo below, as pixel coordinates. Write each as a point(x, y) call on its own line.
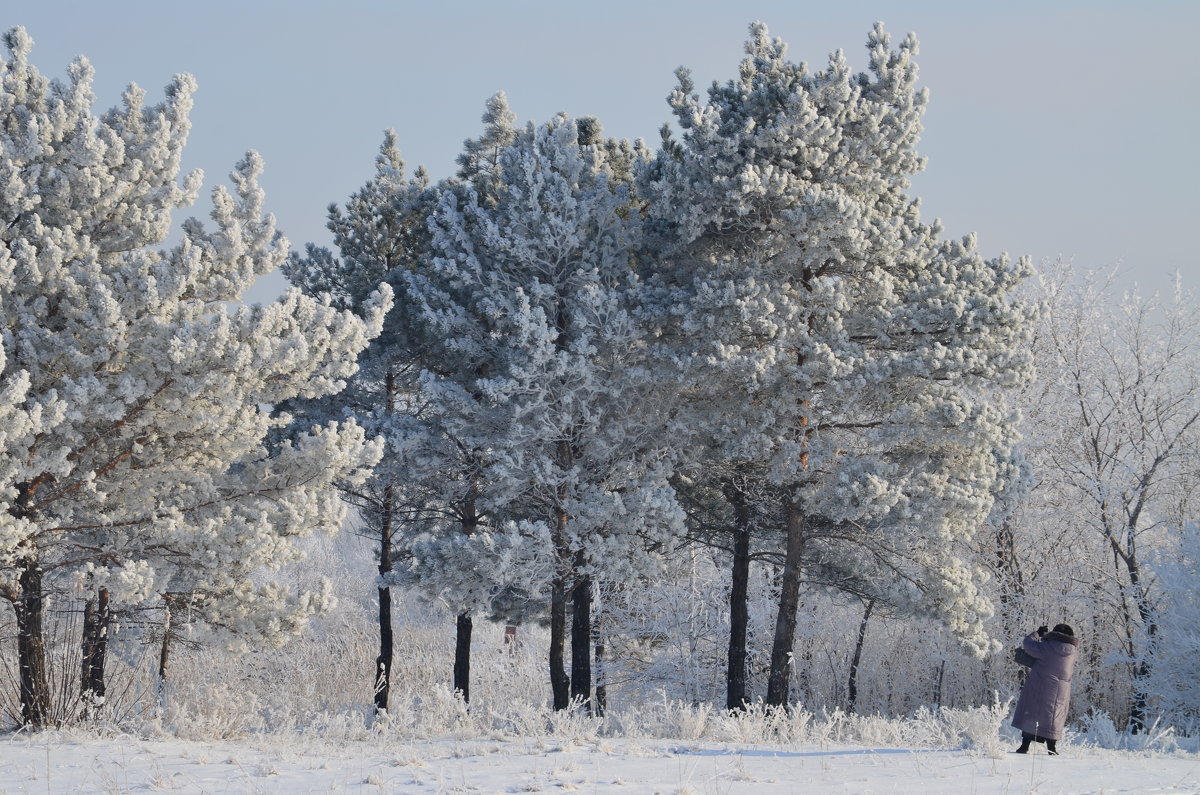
point(479, 162)
point(454, 558)
point(136, 391)
point(541, 371)
point(381, 230)
point(831, 340)
point(424, 490)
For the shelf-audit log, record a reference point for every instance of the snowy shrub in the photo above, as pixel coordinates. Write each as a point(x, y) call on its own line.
point(667, 718)
point(1098, 728)
point(978, 728)
point(441, 712)
point(921, 731)
point(692, 724)
point(761, 723)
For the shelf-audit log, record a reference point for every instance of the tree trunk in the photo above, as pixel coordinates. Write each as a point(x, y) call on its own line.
point(852, 685)
point(383, 663)
point(601, 686)
point(31, 646)
point(29, 604)
point(462, 656)
point(739, 608)
point(803, 664)
point(164, 651)
point(1012, 579)
point(164, 658)
point(599, 594)
point(789, 601)
point(937, 687)
point(1141, 672)
point(581, 643)
point(95, 651)
point(469, 519)
point(1012, 589)
point(560, 683)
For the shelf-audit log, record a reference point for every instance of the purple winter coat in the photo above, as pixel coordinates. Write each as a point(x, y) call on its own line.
point(1042, 707)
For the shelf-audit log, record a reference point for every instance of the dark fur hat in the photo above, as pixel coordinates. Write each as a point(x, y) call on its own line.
point(1064, 629)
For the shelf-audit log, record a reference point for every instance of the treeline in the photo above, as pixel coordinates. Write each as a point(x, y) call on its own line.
point(549, 385)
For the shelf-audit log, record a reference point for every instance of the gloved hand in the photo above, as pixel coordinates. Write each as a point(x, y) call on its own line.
point(1042, 630)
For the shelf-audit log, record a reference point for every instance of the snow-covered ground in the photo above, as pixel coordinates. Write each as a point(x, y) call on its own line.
point(68, 763)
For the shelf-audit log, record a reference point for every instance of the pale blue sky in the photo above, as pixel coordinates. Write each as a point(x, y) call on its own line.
point(1054, 129)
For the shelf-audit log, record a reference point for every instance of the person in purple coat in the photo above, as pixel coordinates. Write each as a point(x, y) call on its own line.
point(1042, 708)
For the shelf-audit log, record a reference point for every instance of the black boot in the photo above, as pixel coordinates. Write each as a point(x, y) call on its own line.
point(1026, 739)
point(1051, 748)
